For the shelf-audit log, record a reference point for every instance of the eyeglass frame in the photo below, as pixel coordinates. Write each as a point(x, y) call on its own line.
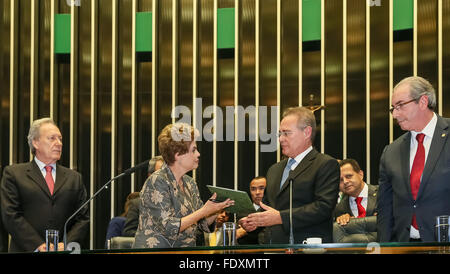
point(285, 133)
point(399, 106)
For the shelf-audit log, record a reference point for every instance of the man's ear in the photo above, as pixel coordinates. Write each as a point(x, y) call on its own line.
point(35, 144)
point(307, 131)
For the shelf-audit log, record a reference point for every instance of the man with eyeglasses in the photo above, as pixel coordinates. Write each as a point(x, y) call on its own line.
point(414, 184)
point(315, 186)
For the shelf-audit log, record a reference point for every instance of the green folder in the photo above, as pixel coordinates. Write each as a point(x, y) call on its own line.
point(242, 203)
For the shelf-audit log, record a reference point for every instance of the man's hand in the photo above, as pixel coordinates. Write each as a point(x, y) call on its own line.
point(246, 225)
point(343, 219)
point(269, 217)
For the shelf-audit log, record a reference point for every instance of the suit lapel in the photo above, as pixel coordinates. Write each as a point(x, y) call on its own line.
point(346, 201)
point(405, 150)
point(274, 189)
point(36, 176)
point(371, 200)
point(61, 178)
point(437, 145)
point(304, 164)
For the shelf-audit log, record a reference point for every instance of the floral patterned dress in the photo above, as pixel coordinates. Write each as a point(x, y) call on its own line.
point(162, 206)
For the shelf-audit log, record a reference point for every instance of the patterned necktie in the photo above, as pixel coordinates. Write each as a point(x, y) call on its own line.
point(417, 170)
point(49, 178)
point(361, 209)
point(286, 171)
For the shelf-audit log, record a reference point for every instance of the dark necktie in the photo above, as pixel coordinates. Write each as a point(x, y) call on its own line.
point(49, 178)
point(361, 209)
point(417, 170)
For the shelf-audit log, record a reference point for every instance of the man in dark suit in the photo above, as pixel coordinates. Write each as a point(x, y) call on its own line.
point(354, 187)
point(359, 202)
point(257, 188)
point(414, 183)
point(3, 233)
point(41, 194)
point(315, 185)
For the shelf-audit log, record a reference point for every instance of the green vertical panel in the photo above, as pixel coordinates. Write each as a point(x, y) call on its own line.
point(144, 32)
point(225, 28)
point(311, 23)
point(62, 33)
point(403, 14)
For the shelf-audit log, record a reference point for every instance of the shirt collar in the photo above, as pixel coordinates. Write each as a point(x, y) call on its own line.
point(364, 192)
point(41, 165)
point(300, 157)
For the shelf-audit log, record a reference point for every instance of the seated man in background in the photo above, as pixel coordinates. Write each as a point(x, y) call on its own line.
point(356, 212)
point(257, 188)
point(215, 238)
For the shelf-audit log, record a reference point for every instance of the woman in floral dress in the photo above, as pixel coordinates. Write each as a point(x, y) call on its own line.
point(170, 208)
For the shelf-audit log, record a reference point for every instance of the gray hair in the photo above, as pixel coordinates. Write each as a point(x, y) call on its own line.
point(152, 163)
point(305, 117)
point(34, 132)
point(418, 87)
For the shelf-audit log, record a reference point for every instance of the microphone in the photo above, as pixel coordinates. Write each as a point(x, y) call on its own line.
point(126, 172)
point(291, 232)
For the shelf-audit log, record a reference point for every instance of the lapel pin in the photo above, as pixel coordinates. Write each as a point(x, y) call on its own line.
point(443, 135)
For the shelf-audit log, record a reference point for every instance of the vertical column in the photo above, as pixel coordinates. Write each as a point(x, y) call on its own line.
point(278, 73)
point(73, 85)
point(257, 76)
point(367, 94)
point(439, 57)
point(155, 49)
point(194, 69)
point(322, 75)
point(174, 54)
point(236, 92)
point(114, 46)
point(133, 93)
point(391, 67)
point(215, 95)
point(344, 79)
point(13, 70)
point(94, 114)
point(300, 52)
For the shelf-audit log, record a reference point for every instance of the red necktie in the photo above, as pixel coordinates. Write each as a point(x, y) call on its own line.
point(361, 209)
point(417, 170)
point(49, 178)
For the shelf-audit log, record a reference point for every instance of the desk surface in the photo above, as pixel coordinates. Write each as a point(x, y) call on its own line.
point(371, 248)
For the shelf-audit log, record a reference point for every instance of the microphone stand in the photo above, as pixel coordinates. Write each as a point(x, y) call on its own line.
point(126, 172)
point(290, 250)
point(291, 232)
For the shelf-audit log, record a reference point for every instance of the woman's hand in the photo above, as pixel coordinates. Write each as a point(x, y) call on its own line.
point(211, 207)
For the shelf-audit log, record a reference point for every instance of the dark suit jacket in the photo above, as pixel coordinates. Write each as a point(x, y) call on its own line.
point(315, 191)
point(395, 202)
point(3, 233)
point(343, 206)
point(132, 218)
point(28, 209)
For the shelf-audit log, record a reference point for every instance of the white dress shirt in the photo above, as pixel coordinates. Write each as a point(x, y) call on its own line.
point(364, 194)
point(300, 157)
point(42, 166)
point(428, 131)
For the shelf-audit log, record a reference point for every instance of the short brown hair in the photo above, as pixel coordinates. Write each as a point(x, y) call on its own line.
point(351, 162)
point(175, 138)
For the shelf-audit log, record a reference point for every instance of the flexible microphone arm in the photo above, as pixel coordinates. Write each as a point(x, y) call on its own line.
point(291, 232)
point(126, 172)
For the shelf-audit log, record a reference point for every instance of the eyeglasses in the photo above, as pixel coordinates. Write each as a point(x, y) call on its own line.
point(399, 106)
point(284, 133)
